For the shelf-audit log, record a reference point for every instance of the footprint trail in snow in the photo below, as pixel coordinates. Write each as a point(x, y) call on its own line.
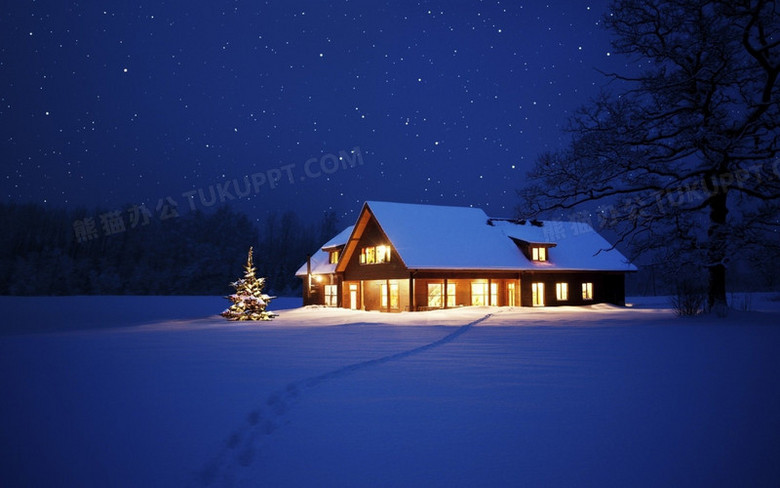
point(242, 447)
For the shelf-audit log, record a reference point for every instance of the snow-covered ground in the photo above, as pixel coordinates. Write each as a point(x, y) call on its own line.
point(479, 396)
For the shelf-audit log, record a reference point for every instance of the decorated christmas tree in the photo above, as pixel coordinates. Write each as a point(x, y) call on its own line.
point(249, 301)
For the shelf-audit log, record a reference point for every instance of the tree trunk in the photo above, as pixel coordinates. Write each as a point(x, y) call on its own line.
point(717, 235)
point(716, 292)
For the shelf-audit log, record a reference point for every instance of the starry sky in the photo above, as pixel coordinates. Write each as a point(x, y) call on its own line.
point(303, 106)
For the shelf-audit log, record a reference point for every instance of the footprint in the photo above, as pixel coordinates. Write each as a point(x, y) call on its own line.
point(233, 440)
point(279, 403)
point(268, 427)
point(246, 456)
point(254, 417)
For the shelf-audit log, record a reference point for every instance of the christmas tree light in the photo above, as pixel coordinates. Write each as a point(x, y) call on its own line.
point(249, 301)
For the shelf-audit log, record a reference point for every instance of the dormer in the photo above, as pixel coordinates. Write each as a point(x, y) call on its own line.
point(334, 253)
point(537, 252)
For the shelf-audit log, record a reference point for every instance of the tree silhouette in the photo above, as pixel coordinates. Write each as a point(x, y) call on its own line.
point(681, 157)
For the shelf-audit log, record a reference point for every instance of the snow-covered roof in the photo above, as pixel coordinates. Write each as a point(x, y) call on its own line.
point(439, 237)
point(339, 239)
point(532, 233)
point(578, 247)
point(320, 260)
point(465, 238)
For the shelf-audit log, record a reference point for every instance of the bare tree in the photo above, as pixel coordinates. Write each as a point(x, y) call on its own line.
point(682, 157)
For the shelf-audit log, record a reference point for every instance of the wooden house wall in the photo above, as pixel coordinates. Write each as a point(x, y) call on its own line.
point(607, 287)
point(316, 294)
point(463, 288)
point(373, 236)
point(369, 295)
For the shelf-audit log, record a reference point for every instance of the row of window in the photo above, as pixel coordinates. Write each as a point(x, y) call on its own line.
point(368, 255)
point(375, 255)
point(481, 294)
point(561, 292)
point(387, 295)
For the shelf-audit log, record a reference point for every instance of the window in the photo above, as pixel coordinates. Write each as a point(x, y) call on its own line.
point(375, 255)
point(562, 292)
point(537, 294)
point(510, 294)
point(331, 296)
point(587, 291)
point(434, 295)
point(393, 295)
point(435, 298)
point(333, 257)
point(539, 253)
point(450, 294)
point(479, 294)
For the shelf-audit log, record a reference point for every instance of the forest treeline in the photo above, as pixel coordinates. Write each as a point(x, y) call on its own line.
point(77, 252)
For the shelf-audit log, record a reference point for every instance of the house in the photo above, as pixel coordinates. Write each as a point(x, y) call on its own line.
point(400, 257)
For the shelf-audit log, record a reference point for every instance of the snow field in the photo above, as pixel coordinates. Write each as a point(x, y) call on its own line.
point(320, 397)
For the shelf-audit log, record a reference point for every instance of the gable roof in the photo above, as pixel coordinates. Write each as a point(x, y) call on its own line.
point(465, 238)
point(439, 237)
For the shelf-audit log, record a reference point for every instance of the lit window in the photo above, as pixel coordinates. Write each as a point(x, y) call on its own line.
point(479, 294)
point(510, 294)
point(333, 257)
point(383, 254)
point(562, 291)
point(393, 295)
point(435, 298)
point(375, 255)
point(434, 295)
point(539, 254)
point(370, 255)
point(537, 294)
point(587, 291)
point(331, 296)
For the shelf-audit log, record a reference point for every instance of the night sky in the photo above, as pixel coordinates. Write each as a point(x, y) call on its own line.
point(196, 103)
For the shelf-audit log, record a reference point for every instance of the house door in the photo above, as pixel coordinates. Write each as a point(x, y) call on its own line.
point(537, 294)
point(510, 294)
point(353, 296)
